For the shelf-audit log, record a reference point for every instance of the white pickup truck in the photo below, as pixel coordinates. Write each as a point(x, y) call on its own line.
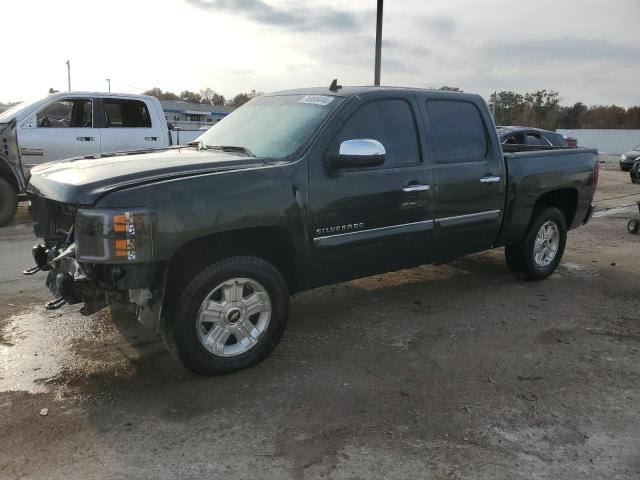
point(75, 124)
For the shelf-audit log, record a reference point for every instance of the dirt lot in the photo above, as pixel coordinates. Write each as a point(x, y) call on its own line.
point(456, 371)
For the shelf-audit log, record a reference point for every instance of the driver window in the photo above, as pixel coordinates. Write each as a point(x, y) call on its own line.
point(390, 122)
point(69, 113)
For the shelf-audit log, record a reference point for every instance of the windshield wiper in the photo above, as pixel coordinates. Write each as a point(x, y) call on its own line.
point(229, 148)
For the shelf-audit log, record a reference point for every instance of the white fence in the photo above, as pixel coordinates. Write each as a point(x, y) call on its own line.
point(606, 141)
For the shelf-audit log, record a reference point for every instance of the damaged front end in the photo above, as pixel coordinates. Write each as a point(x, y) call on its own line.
point(98, 257)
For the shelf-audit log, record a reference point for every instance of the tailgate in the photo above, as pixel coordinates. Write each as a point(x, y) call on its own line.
point(10, 153)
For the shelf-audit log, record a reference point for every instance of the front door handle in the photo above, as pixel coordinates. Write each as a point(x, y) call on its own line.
point(416, 188)
point(490, 179)
point(84, 139)
point(151, 139)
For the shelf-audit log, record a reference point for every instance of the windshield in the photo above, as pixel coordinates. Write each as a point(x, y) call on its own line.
point(15, 110)
point(271, 127)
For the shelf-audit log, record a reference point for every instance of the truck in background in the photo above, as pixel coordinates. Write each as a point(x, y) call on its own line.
point(77, 124)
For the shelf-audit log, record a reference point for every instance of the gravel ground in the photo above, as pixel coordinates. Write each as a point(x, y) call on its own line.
point(444, 372)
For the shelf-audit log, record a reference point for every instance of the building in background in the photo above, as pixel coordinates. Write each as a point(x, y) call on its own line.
point(193, 116)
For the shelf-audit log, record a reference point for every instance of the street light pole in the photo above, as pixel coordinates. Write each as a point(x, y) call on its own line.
point(109, 82)
point(376, 75)
point(69, 74)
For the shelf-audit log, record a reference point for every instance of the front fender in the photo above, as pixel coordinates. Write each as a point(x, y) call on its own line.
point(10, 153)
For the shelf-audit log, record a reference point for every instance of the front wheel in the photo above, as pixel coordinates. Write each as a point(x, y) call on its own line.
point(230, 316)
point(8, 201)
point(538, 255)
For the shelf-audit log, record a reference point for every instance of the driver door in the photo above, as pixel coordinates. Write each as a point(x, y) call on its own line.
point(372, 219)
point(62, 129)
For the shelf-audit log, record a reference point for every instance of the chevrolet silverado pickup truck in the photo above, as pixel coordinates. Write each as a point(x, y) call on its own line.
point(293, 191)
point(73, 124)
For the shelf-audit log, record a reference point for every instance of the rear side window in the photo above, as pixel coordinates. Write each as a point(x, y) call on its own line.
point(556, 139)
point(391, 122)
point(513, 140)
point(534, 139)
point(458, 131)
point(126, 114)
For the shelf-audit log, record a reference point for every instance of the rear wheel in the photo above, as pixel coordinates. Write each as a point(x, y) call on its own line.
point(230, 316)
point(8, 201)
point(633, 226)
point(538, 255)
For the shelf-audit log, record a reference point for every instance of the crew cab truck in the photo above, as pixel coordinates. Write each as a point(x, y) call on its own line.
point(76, 124)
point(293, 191)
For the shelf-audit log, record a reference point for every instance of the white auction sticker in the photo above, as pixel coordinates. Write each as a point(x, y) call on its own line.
point(322, 100)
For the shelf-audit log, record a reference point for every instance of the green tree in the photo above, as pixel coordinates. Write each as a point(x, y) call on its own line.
point(211, 97)
point(242, 98)
point(507, 107)
point(160, 95)
point(191, 97)
point(573, 116)
point(543, 108)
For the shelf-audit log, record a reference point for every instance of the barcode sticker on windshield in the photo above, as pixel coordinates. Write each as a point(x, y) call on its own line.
point(322, 100)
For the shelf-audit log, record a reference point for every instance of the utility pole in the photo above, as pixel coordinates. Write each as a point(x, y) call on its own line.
point(109, 82)
point(376, 75)
point(69, 74)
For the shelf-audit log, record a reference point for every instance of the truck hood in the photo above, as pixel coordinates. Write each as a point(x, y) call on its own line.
point(83, 181)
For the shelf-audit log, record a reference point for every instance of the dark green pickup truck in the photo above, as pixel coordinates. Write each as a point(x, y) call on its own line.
point(292, 191)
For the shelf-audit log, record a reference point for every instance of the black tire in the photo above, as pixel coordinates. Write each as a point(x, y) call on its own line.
point(8, 201)
point(184, 321)
point(634, 178)
point(513, 256)
point(523, 255)
point(633, 226)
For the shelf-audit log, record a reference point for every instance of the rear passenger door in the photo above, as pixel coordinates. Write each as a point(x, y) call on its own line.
point(468, 176)
point(127, 125)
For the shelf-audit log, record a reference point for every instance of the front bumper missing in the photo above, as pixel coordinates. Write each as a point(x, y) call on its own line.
point(71, 283)
point(67, 279)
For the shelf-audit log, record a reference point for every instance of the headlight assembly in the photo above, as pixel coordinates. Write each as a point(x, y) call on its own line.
point(113, 235)
point(623, 156)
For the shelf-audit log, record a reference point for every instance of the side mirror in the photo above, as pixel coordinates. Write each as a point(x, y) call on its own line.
point(358, 153)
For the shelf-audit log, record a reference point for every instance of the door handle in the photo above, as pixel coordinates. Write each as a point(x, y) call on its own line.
point(151, 139)
point(490, 179)
point(416, 188)
point(84, 139)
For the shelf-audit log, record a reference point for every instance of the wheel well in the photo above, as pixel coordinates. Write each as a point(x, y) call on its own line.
point(565, 200)
point(272, 244)
point(6, 173)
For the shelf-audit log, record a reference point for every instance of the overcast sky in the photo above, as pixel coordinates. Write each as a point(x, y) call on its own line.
point(588, 50)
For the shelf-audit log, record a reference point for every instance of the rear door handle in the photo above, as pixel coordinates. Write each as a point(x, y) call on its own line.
point(416, 188)
point(84, 139)
point(151, 139)
point(490, 179)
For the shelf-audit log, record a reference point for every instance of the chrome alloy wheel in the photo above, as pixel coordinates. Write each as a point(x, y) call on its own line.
point(233, 317)
point(546, 245)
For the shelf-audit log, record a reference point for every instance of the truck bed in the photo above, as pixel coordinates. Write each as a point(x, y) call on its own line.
point(530, 174)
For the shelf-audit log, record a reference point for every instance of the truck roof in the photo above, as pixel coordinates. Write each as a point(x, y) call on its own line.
point(348, 91)
point(97, 94)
